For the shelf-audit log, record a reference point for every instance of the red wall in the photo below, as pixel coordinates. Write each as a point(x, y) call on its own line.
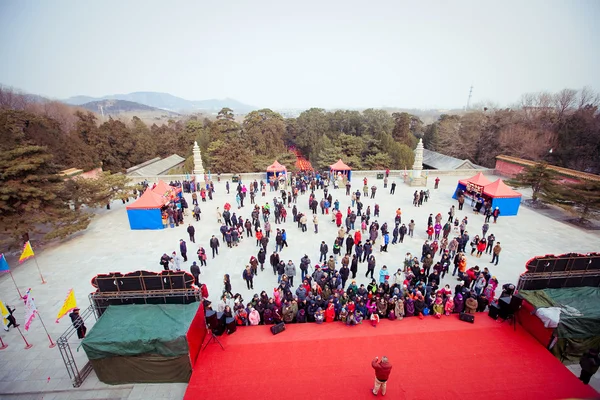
point(506, 168)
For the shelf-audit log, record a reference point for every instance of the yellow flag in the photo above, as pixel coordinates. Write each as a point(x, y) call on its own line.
point(70, 304)
point(4, 313)
point(27, 252)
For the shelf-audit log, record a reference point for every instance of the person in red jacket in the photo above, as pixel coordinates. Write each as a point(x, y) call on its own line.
point(382, 369)
point(330, 313)
point(430, 232)
point(357, 236)
point(338, 219)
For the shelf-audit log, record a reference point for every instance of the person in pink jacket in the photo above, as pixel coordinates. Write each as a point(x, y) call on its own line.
point(371, 306)
point(254, 317)
point(449, 307)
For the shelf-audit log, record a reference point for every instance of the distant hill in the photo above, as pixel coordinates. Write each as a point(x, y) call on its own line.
point(167, 101)
point(120, 106)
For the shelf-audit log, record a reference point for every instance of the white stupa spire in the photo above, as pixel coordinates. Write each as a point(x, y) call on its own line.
point(198, 168)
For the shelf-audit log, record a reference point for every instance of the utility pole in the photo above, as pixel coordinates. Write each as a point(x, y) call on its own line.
point(469, 100)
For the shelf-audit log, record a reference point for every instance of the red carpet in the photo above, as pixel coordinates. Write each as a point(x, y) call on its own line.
point(432, 359)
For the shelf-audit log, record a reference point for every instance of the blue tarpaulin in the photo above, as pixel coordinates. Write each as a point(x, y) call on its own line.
point(145, 219)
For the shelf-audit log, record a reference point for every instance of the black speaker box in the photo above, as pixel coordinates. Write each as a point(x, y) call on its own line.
point(276, 329)
point(220, 330)
point(211, 319)
point(467, 317)
point(515, 302)
point(494, 310)
point(505, 310)
point(231, 325)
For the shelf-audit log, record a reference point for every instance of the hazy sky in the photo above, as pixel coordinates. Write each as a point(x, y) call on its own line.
point(327, 53)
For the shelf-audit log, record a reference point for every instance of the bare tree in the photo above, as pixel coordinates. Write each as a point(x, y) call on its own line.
point(11, 99)
point(544, 100)
point(587, 96)
point(564, 101)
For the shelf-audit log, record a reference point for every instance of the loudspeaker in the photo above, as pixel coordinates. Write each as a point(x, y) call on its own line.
point(515, 302)
point(231, 325)
point(494, 310)
point(467, 317)
point(211, 319)
point(276, 329)
point(505, 310)
point(220, 329)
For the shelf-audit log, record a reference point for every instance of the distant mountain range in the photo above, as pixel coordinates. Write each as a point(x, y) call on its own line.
point(167, 101)
point(114, 107)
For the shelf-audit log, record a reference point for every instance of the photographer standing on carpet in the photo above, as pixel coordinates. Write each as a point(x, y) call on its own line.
point(382, 372)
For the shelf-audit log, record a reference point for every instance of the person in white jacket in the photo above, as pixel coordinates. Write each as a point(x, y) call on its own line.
point(175, 262)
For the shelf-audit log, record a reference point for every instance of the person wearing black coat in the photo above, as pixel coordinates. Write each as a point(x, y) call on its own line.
point(164, 261)
point(395, 234)
point(344, 273)
point(261, 258)
point(323, 249)
point(402, 232)
point(482, 303)
point(416, 270)
point(354, 266)
point(248, 276)
point(349, 244)
point(214, 245)
point(419, 306)
point(370, 266)
point(195, 270)
point(589, 363)
point(426, 249)
point(433, 277)
point(280, 270)
point(310, 311)
point(359, 250)
point(274, 262)
point(304, 264)
point(367, 250)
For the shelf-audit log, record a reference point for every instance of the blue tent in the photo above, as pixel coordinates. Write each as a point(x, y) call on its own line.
point(145, 212)
point(503, 197)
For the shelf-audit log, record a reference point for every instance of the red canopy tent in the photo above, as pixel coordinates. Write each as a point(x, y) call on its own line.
point(148, 199)
point(500, 189)
point(472, 185)
point(340, 167)
point(275, 170)
point(165, 190)
point(503, 197)
point(276, 167)
point(477, 180)
point(145, 212)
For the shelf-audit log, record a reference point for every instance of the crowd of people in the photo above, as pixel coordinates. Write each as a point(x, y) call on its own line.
point(328, 290)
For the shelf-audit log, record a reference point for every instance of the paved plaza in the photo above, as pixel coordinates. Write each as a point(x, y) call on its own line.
point(108, 245)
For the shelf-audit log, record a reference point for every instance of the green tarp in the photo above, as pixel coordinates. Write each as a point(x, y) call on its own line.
point(580, 309)
point(132, 330)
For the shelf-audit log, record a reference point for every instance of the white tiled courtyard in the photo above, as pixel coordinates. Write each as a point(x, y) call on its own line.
point(108, 245)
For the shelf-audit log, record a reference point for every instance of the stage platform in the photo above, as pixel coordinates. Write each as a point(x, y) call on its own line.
point(431, 358)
